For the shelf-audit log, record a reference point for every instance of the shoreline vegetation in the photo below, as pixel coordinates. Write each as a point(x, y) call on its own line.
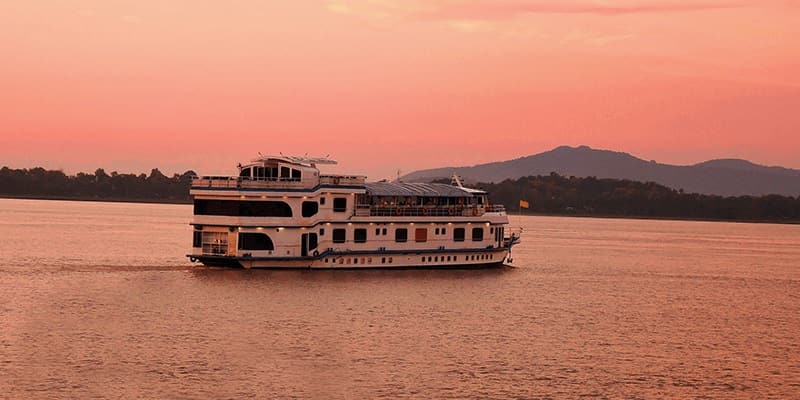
point(548, 195)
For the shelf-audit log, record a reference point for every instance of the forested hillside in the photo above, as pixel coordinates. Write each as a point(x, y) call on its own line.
point(560, 195)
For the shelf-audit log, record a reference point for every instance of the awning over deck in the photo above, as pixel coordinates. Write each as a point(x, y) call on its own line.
point(419, 190)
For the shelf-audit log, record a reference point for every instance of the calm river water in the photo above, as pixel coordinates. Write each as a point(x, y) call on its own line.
point(98, 301)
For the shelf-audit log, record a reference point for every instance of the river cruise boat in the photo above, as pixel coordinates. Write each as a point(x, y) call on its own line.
point(280, 212)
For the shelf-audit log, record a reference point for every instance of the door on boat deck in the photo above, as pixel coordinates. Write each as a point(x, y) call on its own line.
point(308, 243)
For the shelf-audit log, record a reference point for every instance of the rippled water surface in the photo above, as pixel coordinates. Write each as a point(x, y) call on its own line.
point(98, 301)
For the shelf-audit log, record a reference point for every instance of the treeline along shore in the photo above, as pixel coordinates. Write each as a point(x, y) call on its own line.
point(546, 195)
point(39, 183)
point(559, 195)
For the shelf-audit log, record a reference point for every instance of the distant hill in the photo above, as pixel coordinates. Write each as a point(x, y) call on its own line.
point(725, 177)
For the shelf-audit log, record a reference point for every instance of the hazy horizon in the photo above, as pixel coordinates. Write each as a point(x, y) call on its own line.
point(388, 85)
point(339, 168)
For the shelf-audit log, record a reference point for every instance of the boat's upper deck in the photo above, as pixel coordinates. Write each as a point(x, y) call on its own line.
point(297, 174)
point(239, 182)
point(278, 172)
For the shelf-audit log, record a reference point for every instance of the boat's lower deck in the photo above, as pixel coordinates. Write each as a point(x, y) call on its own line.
point(473, 258)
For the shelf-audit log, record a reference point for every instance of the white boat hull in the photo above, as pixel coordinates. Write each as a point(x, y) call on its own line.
point(485, 258)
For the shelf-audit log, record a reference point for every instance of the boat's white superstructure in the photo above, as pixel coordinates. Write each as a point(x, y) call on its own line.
point(280, 212)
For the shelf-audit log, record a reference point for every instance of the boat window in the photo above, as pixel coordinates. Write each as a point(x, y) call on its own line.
point(339, 235)
point(436, 232)
point(295, 174)
point(245, 173)
point(215, 242)
point(421, 235)
point(377, 231)
point(360, 235)
point(401, 235)
point(322, 231)
point(477, 234)
point(444, 231)
point(458, 234)
point(255, 241)
point(313, 241)
point(310, 208)
point(340, 204)
point(197, 239)
point(383, 231)
point(235, 208)
point(261, 172)
point(284, 172)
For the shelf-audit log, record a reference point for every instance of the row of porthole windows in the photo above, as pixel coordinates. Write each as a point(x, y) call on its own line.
point(436, 259)
point(389, 260)
point(401, 234)
point(355, 260)
point(472, 257)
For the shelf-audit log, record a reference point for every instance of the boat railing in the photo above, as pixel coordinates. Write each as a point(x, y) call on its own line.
point(495, 208)
point(238, 182)
point(364, 210)
point(342, 180)
point(512, 236)
point(215, 249)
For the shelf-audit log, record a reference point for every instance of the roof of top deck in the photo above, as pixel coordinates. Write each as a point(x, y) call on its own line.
point(419, 189)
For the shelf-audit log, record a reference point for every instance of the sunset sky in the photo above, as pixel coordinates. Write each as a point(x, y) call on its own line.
point(383, 85)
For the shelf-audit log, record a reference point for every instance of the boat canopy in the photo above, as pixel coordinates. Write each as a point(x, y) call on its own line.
point(419, 190)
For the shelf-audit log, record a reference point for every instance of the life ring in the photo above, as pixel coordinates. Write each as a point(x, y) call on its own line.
point(475, 212)
point(425, 211)
point(336, 180)
point(316, 253)
point(398, 211)
point(451, 211)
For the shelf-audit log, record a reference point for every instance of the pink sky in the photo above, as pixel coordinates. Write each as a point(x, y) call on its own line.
point(383, 85)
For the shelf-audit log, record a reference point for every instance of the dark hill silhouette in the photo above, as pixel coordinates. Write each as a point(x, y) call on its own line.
point(726, 177)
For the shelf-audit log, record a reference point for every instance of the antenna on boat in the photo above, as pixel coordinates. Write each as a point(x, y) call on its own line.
point(398, 175)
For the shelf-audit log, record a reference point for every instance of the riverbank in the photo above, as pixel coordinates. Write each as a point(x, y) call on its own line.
point(97, 199)
point(646, 217)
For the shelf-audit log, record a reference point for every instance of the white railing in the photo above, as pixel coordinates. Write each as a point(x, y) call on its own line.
point(363, 210)
point(238, 182)
point(342, 180)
